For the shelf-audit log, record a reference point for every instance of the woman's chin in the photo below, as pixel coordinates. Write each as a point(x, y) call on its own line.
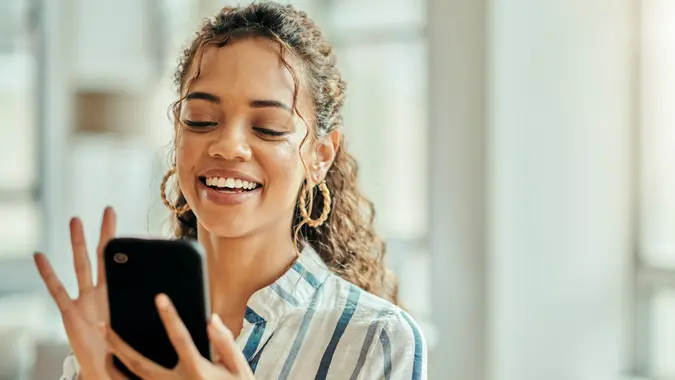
point(231, 228)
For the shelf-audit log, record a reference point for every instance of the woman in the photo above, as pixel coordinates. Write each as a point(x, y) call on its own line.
point(296, 270)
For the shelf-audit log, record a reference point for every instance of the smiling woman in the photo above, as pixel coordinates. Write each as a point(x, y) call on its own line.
point(296, 270)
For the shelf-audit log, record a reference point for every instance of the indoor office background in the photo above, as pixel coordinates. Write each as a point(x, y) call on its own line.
point(521, 155)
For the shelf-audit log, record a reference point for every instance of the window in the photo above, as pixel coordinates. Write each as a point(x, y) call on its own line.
point(656, 300)
point(19, 206)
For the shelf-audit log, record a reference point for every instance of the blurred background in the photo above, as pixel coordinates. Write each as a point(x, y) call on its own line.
point(520, 153)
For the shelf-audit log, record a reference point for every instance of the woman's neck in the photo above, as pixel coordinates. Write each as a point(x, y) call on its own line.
point(238, 267)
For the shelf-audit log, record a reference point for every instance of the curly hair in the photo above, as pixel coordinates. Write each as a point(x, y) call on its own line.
point(347, 241)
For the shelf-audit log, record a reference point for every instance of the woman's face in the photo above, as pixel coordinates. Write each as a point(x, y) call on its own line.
point(238, 145)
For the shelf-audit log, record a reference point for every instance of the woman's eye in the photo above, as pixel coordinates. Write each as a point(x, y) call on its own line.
point(269, 132)
point(199, 124)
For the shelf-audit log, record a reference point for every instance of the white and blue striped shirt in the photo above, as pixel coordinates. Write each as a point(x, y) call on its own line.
point(312, 324)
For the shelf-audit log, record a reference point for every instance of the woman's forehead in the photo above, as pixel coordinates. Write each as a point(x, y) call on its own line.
point(250, 67)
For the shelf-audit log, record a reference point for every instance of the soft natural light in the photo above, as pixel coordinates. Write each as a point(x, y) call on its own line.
point(658, 137)
point(520, 155)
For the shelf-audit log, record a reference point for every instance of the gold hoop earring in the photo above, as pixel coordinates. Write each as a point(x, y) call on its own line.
point(165, 199)
point(307, 218)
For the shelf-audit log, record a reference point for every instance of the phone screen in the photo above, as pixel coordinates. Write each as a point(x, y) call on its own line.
point(137, 270)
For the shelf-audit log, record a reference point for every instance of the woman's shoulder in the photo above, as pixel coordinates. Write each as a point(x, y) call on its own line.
point(367, 311)
point(379, 335)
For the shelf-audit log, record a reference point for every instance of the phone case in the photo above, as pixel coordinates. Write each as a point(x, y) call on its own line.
point(137, 270)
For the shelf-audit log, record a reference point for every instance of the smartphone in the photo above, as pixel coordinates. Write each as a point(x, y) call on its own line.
point(137, 270)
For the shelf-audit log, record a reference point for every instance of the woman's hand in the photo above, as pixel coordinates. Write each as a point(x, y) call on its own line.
point(191, 365)
point(82, 315)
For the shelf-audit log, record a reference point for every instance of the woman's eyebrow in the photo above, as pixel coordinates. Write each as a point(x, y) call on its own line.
point(203, 96)
point(269, 103)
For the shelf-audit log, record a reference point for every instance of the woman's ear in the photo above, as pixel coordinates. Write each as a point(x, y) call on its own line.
point(324, 155)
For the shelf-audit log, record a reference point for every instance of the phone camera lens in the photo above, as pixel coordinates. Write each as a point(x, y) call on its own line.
point(120, 258)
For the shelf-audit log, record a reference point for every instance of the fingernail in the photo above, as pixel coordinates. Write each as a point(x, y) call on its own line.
point(162, 301)
point(215, 357)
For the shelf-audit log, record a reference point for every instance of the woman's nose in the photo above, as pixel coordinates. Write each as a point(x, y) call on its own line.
point(231, 144)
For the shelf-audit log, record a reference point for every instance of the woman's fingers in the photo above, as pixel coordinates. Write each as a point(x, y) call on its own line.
point(136, 362)
point(80, 255)
point(51, 280)
point(178, 334)
point(226, 349)
point(108, 231)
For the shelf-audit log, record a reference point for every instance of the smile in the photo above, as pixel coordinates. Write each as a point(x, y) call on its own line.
point(227, 190)
point(229, 184)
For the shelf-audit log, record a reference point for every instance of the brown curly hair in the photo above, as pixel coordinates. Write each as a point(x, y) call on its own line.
point(347, 240)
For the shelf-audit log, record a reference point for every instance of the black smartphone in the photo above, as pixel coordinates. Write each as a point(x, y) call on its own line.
point(137, 270)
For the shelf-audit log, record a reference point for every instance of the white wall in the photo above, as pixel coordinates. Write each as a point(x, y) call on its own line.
point(560, 188)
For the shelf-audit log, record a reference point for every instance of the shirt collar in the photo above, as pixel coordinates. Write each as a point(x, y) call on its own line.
point(294, 289)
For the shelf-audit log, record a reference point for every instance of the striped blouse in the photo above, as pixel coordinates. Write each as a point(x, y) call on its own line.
point(312, 324)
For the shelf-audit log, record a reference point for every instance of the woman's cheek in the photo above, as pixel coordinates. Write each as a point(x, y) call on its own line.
point(186, 157)
point(286, 167)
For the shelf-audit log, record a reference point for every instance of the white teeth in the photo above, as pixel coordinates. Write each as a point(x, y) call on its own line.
point(232, 183)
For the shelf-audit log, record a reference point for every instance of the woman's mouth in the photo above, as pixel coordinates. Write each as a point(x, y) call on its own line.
point(229, 185)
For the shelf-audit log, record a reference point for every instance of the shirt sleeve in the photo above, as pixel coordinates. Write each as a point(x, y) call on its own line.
point(398, 352)
point(71, 368)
